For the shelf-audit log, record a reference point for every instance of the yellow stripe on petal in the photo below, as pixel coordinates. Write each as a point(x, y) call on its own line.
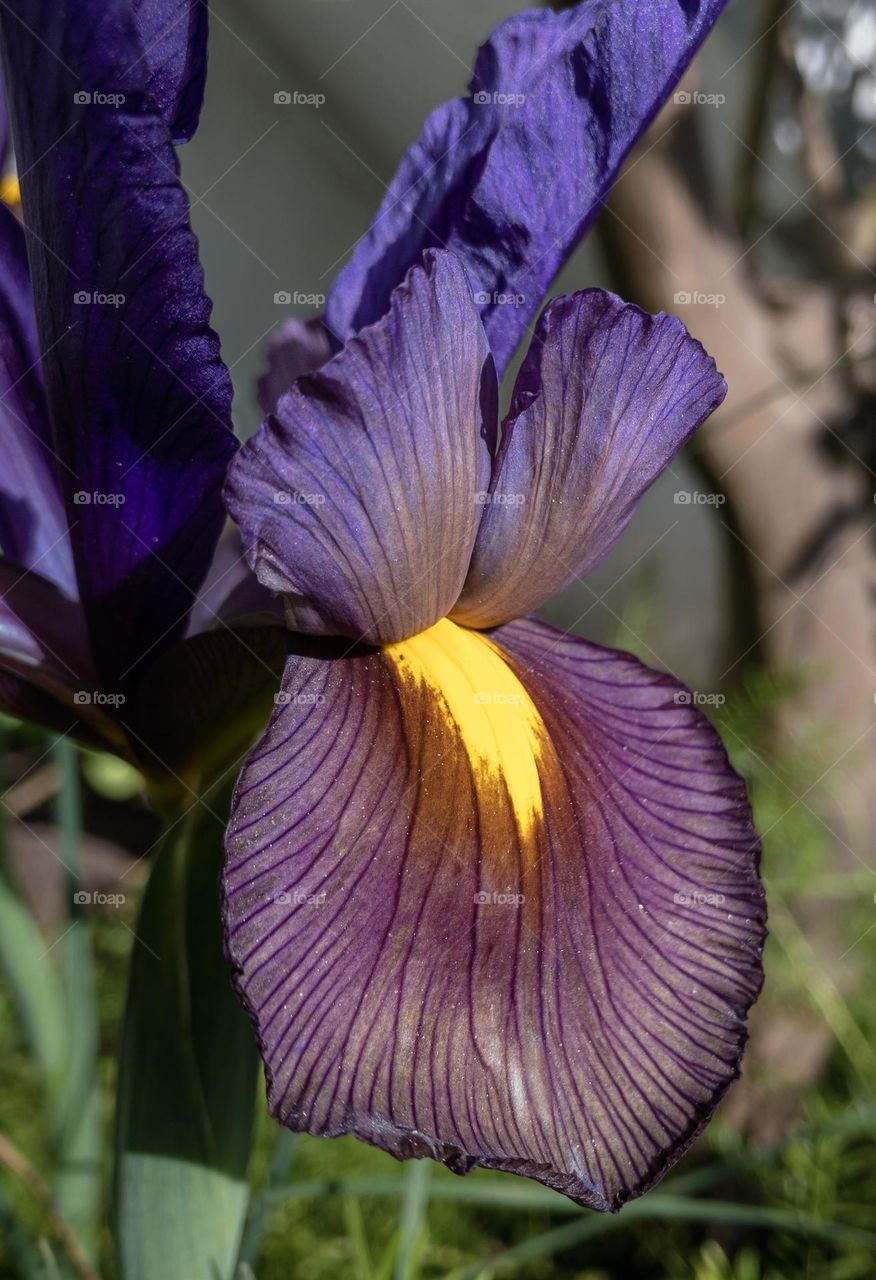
point(482, 699)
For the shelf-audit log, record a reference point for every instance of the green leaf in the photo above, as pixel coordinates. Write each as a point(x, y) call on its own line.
point(415, 1203)
point(35, 987)
point(188, 1073)
point(78, 1183)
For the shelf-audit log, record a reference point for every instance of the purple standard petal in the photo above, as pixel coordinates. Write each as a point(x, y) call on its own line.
point(358, 499)
point(33, 521)
point(605, 398)
point(296, 348)
point(495, 900)
point(512, 176)
point(138, 396)
point(173, 36)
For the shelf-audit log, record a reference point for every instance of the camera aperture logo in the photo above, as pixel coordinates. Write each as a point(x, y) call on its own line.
point(698, 898)
point(87, 898)
point(494, 898)
point(94, 98)
point(295, 98)
point(295, 499)
point(97, 698)
point(284, 699)
point(695, 498)
point(694, 698)
point(698, 99)
point(89, 298)
point(484, 499)
point(297, 298)
point(97, 498)
point(300, 898)
point(495, 98)
point(696, 298)
point(498, 298)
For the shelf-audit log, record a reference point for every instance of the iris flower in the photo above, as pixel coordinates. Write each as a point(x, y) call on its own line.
point(491, 891)
point(115, 406)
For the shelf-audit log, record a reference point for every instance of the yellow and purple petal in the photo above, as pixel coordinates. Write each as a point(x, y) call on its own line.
point(357, 501)
point(494, 899)
point(510, 177)
point(605, 398)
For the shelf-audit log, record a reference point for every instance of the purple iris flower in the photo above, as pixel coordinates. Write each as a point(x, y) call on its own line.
point(491, 891)
point(115, 427)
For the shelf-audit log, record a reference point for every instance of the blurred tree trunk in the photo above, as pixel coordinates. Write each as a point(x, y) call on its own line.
point(803, 525)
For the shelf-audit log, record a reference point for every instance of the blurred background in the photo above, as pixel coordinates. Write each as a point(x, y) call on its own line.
point(748, 572)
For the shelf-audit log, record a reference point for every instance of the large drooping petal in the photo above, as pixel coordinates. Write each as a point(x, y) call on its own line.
point(138, 396)
point(173, 37)
point(512, 176)
point(605, 398)
point(494, 899)
point(33, 521)
point(358, 499)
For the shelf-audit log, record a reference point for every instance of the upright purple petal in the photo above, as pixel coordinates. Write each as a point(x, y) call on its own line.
point(512, 176)
point(173, 36)
point(605, 398)
point(33, 521)
point(358, 500)
point(138, 396)
point(494, 900)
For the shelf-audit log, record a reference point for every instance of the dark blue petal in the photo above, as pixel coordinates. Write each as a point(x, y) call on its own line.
point(33, 522)
point(138, 396)
point(173, 34)
point(512, 176)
